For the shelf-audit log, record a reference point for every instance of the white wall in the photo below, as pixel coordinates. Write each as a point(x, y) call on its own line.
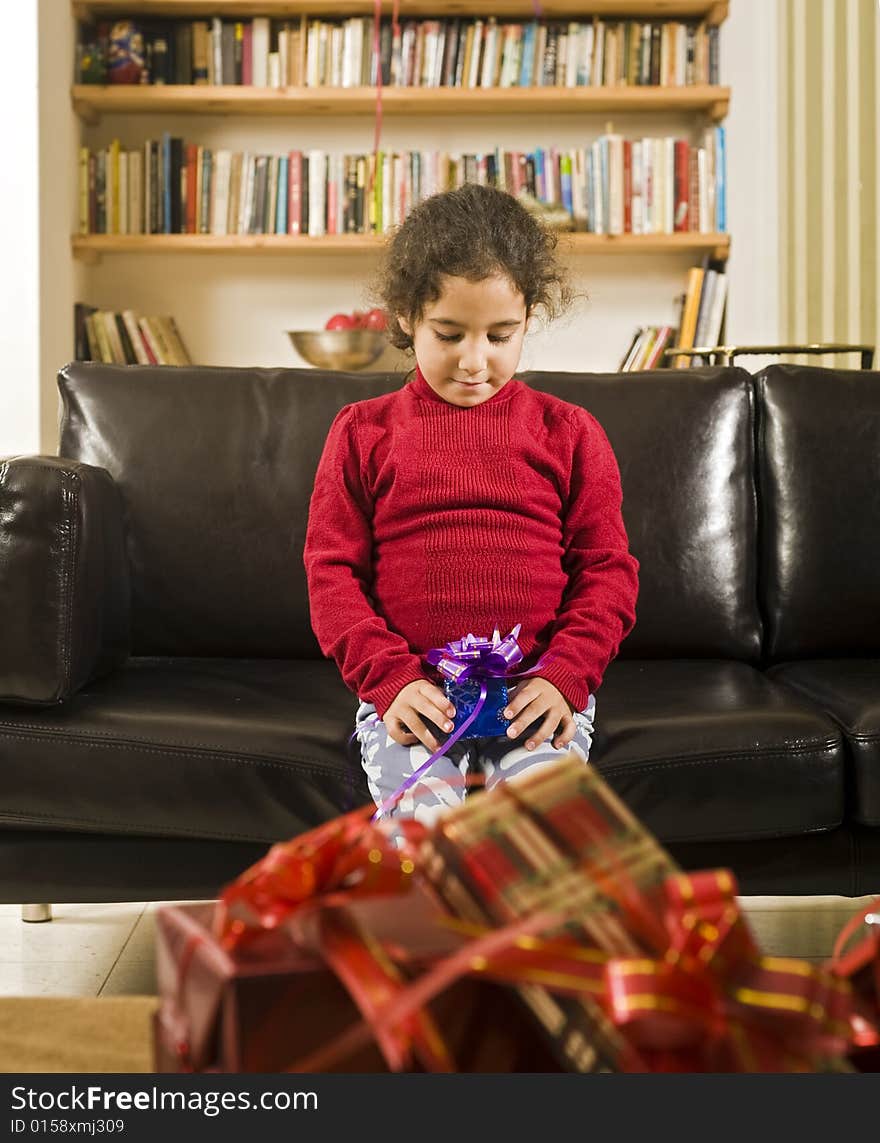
point(19, 206)
point(750, 66)
point(60, 277)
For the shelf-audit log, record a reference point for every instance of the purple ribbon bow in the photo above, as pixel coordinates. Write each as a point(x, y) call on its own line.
point(476, 656)
point(473, 657)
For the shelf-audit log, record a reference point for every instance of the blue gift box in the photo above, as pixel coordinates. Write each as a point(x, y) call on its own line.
point(489, 722)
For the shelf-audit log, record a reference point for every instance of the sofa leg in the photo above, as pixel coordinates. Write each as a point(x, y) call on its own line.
point(36, 912)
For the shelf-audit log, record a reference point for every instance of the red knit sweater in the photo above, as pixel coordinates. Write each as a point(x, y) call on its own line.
point(428, 521)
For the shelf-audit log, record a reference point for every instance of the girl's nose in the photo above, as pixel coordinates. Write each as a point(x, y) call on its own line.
point(472, 359)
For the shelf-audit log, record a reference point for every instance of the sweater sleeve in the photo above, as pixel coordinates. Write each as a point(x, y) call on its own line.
point(374, 661)
point(598, 608)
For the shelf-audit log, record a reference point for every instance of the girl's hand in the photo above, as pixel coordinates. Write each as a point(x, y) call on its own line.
point(404, 719)
point(539, 699)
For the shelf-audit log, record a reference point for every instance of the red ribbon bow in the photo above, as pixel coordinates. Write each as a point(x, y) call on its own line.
point(713, 1003)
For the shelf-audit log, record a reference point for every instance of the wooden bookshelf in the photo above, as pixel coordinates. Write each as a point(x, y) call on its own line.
point(712, 11)
point(702, 104)
point(91, 247)
point(92, 101)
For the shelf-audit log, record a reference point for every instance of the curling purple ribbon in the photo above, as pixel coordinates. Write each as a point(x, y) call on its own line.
point(460, 660)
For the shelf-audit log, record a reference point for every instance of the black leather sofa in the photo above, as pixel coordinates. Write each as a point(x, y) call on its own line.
point(165, 712)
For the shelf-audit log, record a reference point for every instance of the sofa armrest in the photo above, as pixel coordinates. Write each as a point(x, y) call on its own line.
point(64, 585)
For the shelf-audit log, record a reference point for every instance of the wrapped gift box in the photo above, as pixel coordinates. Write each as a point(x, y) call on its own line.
point(271, 1006)
point(537, 927)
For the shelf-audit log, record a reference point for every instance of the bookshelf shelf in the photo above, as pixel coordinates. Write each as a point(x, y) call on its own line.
point(91, 101)
point(90, 247)
point(712, 11)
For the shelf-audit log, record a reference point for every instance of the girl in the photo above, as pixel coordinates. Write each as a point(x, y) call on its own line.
point(463, 502)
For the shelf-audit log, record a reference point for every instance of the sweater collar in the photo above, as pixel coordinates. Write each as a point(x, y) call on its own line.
point(420, 388)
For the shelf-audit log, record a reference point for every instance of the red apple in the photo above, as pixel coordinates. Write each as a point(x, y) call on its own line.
point(376, 319)
point(358, 319)
point(340, 321)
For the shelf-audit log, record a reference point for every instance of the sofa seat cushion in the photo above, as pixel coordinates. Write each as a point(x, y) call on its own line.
point(236, 750)
point(705, 749)
point(848, 690)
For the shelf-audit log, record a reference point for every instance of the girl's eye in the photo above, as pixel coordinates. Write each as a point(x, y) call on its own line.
point(496, 339)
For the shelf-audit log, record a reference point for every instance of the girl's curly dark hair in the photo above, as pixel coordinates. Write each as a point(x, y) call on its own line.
point(471, 232)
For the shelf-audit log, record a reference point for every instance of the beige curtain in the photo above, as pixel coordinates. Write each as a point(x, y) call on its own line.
point(829, 173)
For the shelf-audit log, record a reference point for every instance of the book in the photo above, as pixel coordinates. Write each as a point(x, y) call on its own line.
point(170, 336)
point(159, 337)
point(105, 352)
point(136, 337)
point(127, 346)
point(281, 206)
point(317, 192)
point(151, 341)
point(94, 346)
point(200, 45)
point(83, 176)
point(615, 183)
point(82, 349)
point(681, 163)
point(260, 51)
point(183, 52)
point(294, 192)
point(701, 333)
point(689, 314)
point(715, 318)
point(114, 341)
point(220, 197)
point(655, 359)
point(645, 349)
point(720, 218)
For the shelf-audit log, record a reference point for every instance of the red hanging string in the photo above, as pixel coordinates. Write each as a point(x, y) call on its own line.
point(395, 34)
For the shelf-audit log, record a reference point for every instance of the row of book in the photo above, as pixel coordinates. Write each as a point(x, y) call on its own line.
point(448, 52)
point(613, 186)
point(700, 324)
point(126, 338)
point(646, 348)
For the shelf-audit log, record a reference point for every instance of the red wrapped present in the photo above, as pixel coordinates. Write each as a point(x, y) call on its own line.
point(273, 1006)
point(544, 895)
point(856, 958)
point(309, 963)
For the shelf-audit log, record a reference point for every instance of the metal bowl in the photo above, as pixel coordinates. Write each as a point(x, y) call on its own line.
point(339, 348)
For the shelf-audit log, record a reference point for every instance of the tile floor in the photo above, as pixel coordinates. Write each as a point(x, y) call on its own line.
point(107, 950)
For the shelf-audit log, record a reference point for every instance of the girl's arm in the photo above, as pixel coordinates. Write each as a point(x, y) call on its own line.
point(598, 609)
point(374, 661)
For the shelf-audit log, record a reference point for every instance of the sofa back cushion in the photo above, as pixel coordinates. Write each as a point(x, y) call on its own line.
point(819, 474)
point(684, 441)
point(216, 466)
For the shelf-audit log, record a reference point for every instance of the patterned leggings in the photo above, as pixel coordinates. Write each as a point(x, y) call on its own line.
point(387, 764)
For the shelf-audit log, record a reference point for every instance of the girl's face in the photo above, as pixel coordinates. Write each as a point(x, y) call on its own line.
point(468, 342)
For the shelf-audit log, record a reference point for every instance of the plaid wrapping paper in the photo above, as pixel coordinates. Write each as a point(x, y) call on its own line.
point(678, 983)
point(555, 840)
